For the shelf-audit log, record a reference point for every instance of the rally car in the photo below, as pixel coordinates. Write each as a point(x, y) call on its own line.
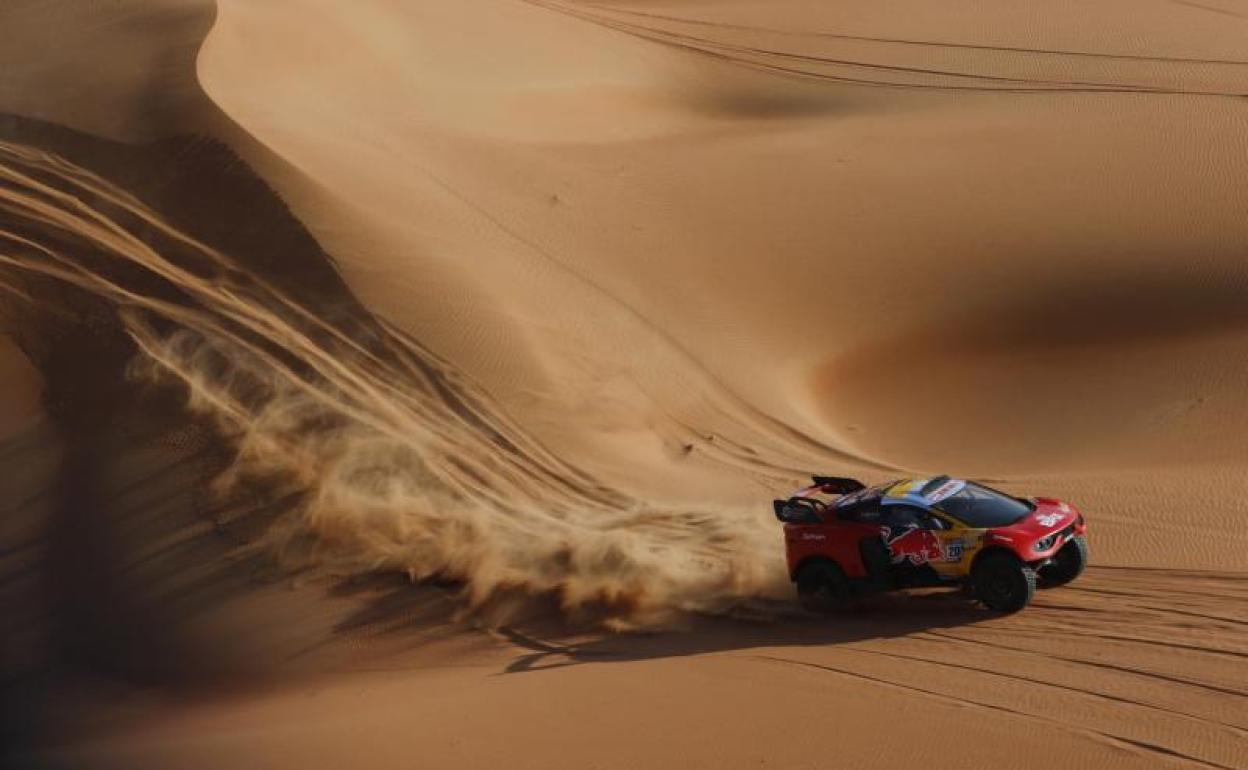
point(846, 540)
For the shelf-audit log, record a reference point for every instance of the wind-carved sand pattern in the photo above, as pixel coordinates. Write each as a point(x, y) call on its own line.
point(917, 64)
point(400, 463)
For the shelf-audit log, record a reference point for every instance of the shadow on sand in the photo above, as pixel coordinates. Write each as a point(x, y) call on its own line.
point(548, 638)
point(890, 616)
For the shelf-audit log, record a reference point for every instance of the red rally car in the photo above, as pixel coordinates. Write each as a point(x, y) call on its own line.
point(846, 540)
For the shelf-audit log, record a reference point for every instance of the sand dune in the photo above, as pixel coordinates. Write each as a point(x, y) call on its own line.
point(1093, 234)
point(359, 352)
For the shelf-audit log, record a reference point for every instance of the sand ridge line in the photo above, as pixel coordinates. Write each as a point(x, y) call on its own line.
point(724, 51)
point(912, 42)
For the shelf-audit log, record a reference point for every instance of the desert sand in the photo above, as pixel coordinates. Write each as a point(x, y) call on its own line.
point(404, 384)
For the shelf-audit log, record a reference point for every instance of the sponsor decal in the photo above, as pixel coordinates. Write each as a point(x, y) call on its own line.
point(918, 546)
point(945, 490)
point(1049, 519)
point(814, 536)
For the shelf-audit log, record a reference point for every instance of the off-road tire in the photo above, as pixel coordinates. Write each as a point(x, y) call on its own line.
point(823, 587)
point(1067, 564)
point(1003, 582)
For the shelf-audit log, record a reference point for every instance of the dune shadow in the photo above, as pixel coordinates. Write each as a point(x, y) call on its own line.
point(118, 559)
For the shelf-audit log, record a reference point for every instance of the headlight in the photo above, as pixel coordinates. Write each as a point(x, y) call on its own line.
point(1045, 543)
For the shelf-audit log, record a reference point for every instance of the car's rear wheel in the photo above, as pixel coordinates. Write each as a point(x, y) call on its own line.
point(1003, 582)
point(1067, 564)
point(822, 587)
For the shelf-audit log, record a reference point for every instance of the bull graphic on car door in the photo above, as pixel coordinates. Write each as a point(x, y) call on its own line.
point(918, 546)
point(945, 551)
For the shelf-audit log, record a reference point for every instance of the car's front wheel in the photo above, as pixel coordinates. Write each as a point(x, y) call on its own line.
point(1003, 582)
point(822, 587)
point(1067, 564)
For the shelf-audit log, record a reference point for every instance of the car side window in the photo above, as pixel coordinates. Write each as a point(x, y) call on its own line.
point(928, 520)
point(901, 516)
point(910, 516)
point(864, 513)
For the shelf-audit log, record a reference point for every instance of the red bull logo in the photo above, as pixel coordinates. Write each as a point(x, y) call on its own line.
point(918, 545)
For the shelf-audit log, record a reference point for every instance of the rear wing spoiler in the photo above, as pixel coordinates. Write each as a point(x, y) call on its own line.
point(801, 508)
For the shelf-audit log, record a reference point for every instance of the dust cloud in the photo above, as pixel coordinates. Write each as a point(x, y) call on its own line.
point(393, 460)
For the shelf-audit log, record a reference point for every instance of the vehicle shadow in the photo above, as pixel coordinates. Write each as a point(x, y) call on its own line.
point(885, 617)
point(392, 611)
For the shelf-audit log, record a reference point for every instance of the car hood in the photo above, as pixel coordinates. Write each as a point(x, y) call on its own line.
point(1050, 515)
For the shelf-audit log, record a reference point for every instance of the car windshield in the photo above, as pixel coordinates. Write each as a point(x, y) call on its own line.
point(978, 506)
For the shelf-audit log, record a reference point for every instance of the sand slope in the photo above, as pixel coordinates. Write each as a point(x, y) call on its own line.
point(1151, 682)
point(1012, 284)
point(589, 284)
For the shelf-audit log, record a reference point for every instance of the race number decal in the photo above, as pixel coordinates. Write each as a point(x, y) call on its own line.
point(954, 550)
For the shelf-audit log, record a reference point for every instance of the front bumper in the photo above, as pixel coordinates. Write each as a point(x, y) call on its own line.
point(1044, 549)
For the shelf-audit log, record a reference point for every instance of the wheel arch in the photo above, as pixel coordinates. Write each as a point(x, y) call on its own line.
point(814, 558)
point(992, 549)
